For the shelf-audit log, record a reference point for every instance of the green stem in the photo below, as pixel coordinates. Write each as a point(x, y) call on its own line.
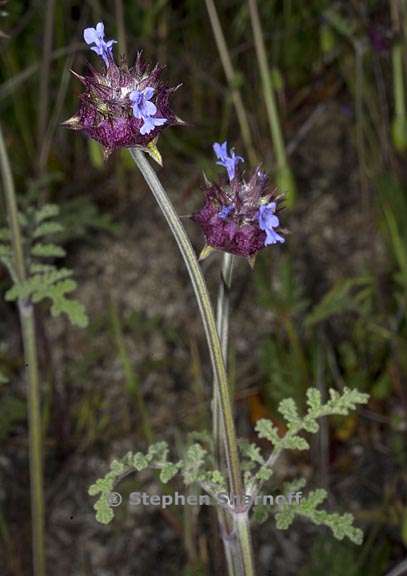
point(222, 324)
point(286, 181)
point(268, 91)
point(208, 319)
point(399, 128)
point(242, 527)
point(231, 77)
point(121, 29)
point(31, 363)
point(398, 80)
point(35, 426)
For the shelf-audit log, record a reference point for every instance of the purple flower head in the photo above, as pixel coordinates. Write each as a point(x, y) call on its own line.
point(124, 107)
point(268, 222)
point(96, 36)
point(239, 217)
point(228, 162)
point(145, 110)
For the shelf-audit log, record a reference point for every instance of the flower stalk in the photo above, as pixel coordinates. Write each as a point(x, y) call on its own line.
point(214, 345)
point(26, 312)
point(222, 324)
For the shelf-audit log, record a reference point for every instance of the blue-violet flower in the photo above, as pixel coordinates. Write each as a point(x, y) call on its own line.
point(268, 222)
point(97, 36)
point(122, 106)
point(239, 216)
point(228, 162)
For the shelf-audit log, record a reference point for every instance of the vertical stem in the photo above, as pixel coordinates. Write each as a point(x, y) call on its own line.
point(231, 78)
point(35, 426)
point(119, 10)
point(284, 173)
point(398, 80)
point(242, 527)
point(268, 91)
point(399, 128)
point(31, 364)
point(208, 319)
point(44, 79)
point(222, 324)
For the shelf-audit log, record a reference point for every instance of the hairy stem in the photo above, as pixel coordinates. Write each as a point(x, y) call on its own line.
point(222, 324)
point(208, 319)
point(31, 363)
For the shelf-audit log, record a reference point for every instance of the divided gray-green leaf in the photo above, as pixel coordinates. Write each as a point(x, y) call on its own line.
point(45, 280)
point(341, 525)
point(193, 467)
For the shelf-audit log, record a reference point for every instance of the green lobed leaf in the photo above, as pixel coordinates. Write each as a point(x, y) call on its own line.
point(266, 429)
point(168, 472)
point(288, 409)
point(45, 212)
point(47, 251)
point(47, 228)
point(341, 525)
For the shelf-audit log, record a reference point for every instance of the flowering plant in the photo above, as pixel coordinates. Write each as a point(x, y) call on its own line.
point(239, 216)
point(122, 106)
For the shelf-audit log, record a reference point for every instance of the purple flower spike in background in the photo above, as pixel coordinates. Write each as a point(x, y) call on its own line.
point(239, 217)
point(268, 222)
point(96, 36)
point(123, 106)
point(228, 162)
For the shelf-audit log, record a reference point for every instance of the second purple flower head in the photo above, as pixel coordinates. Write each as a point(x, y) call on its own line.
point(239, 216)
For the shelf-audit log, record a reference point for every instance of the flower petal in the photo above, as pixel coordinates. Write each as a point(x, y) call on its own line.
point(148, 92)
point(90, 36)
point(149, 108)
point(159, 121)
point(148, 126)
point(100, 30)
